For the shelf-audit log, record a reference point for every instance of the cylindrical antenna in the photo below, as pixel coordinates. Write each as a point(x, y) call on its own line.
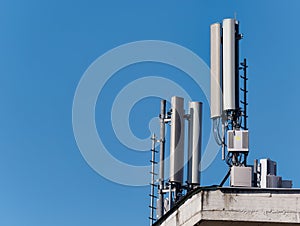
point(229, 80)
point(160, 203)
point(196, 120)
point(215, 71)
point(177, 140)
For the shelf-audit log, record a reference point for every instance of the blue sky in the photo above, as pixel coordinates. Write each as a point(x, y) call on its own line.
point(46, 46)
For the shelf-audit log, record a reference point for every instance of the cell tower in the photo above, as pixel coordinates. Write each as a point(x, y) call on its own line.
point(225, 100)
point(224, 108)
point(229, 119)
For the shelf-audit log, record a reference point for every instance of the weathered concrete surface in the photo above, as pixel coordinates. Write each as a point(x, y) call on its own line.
point(235, 206)
point(237, 223)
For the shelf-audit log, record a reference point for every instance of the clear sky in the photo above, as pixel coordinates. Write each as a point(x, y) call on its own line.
point(46, 46)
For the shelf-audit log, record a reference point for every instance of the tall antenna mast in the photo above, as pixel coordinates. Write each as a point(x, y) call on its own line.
point(225, 96)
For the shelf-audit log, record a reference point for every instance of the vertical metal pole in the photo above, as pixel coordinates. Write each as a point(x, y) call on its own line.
point(190, 148)
point(223, 140)
point(170, 196)
point(152, 180)
point(162, 156)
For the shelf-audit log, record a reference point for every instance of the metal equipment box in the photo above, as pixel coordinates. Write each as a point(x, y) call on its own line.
point(241, 176)
point(268, 168)
point(274, 181)
point(238, 140)
point(286, 184)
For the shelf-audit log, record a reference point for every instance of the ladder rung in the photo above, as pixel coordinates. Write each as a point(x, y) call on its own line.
point(153, 162)
point(155, 185)
point(243, 64)
point(244, 103)
point(243, 77)
point(151, 218)
point(152, 207)
point(153, 150)
point(244, 90)
point(153, 196)
point(153, 173)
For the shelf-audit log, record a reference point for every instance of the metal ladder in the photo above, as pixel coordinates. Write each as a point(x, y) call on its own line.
point(153, 184)
point(244, 102)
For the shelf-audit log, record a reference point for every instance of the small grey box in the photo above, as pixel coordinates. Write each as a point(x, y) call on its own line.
point(238, 140)
point(287, 184)
point(273, 181)
point(240, 176)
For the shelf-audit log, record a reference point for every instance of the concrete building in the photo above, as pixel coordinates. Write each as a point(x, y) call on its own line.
point(235, 206)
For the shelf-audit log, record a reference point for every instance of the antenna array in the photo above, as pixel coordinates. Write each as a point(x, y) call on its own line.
point(172, 190)
point(225, 110)
point(225, 93)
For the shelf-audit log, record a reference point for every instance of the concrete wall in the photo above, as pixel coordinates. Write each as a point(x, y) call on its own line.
point(234, 206)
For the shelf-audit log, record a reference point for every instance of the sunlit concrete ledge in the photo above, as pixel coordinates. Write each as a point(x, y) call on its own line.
point(235, 206)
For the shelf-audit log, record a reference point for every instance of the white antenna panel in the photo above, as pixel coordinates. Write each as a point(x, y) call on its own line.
point(195, 135)
point(215, 70)
point(229, 64)
point(177, 140)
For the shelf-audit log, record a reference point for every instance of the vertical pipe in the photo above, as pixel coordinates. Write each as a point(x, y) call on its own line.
point(190, 147)
point(162, 158)
point(223, 140)
point(170, 196)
